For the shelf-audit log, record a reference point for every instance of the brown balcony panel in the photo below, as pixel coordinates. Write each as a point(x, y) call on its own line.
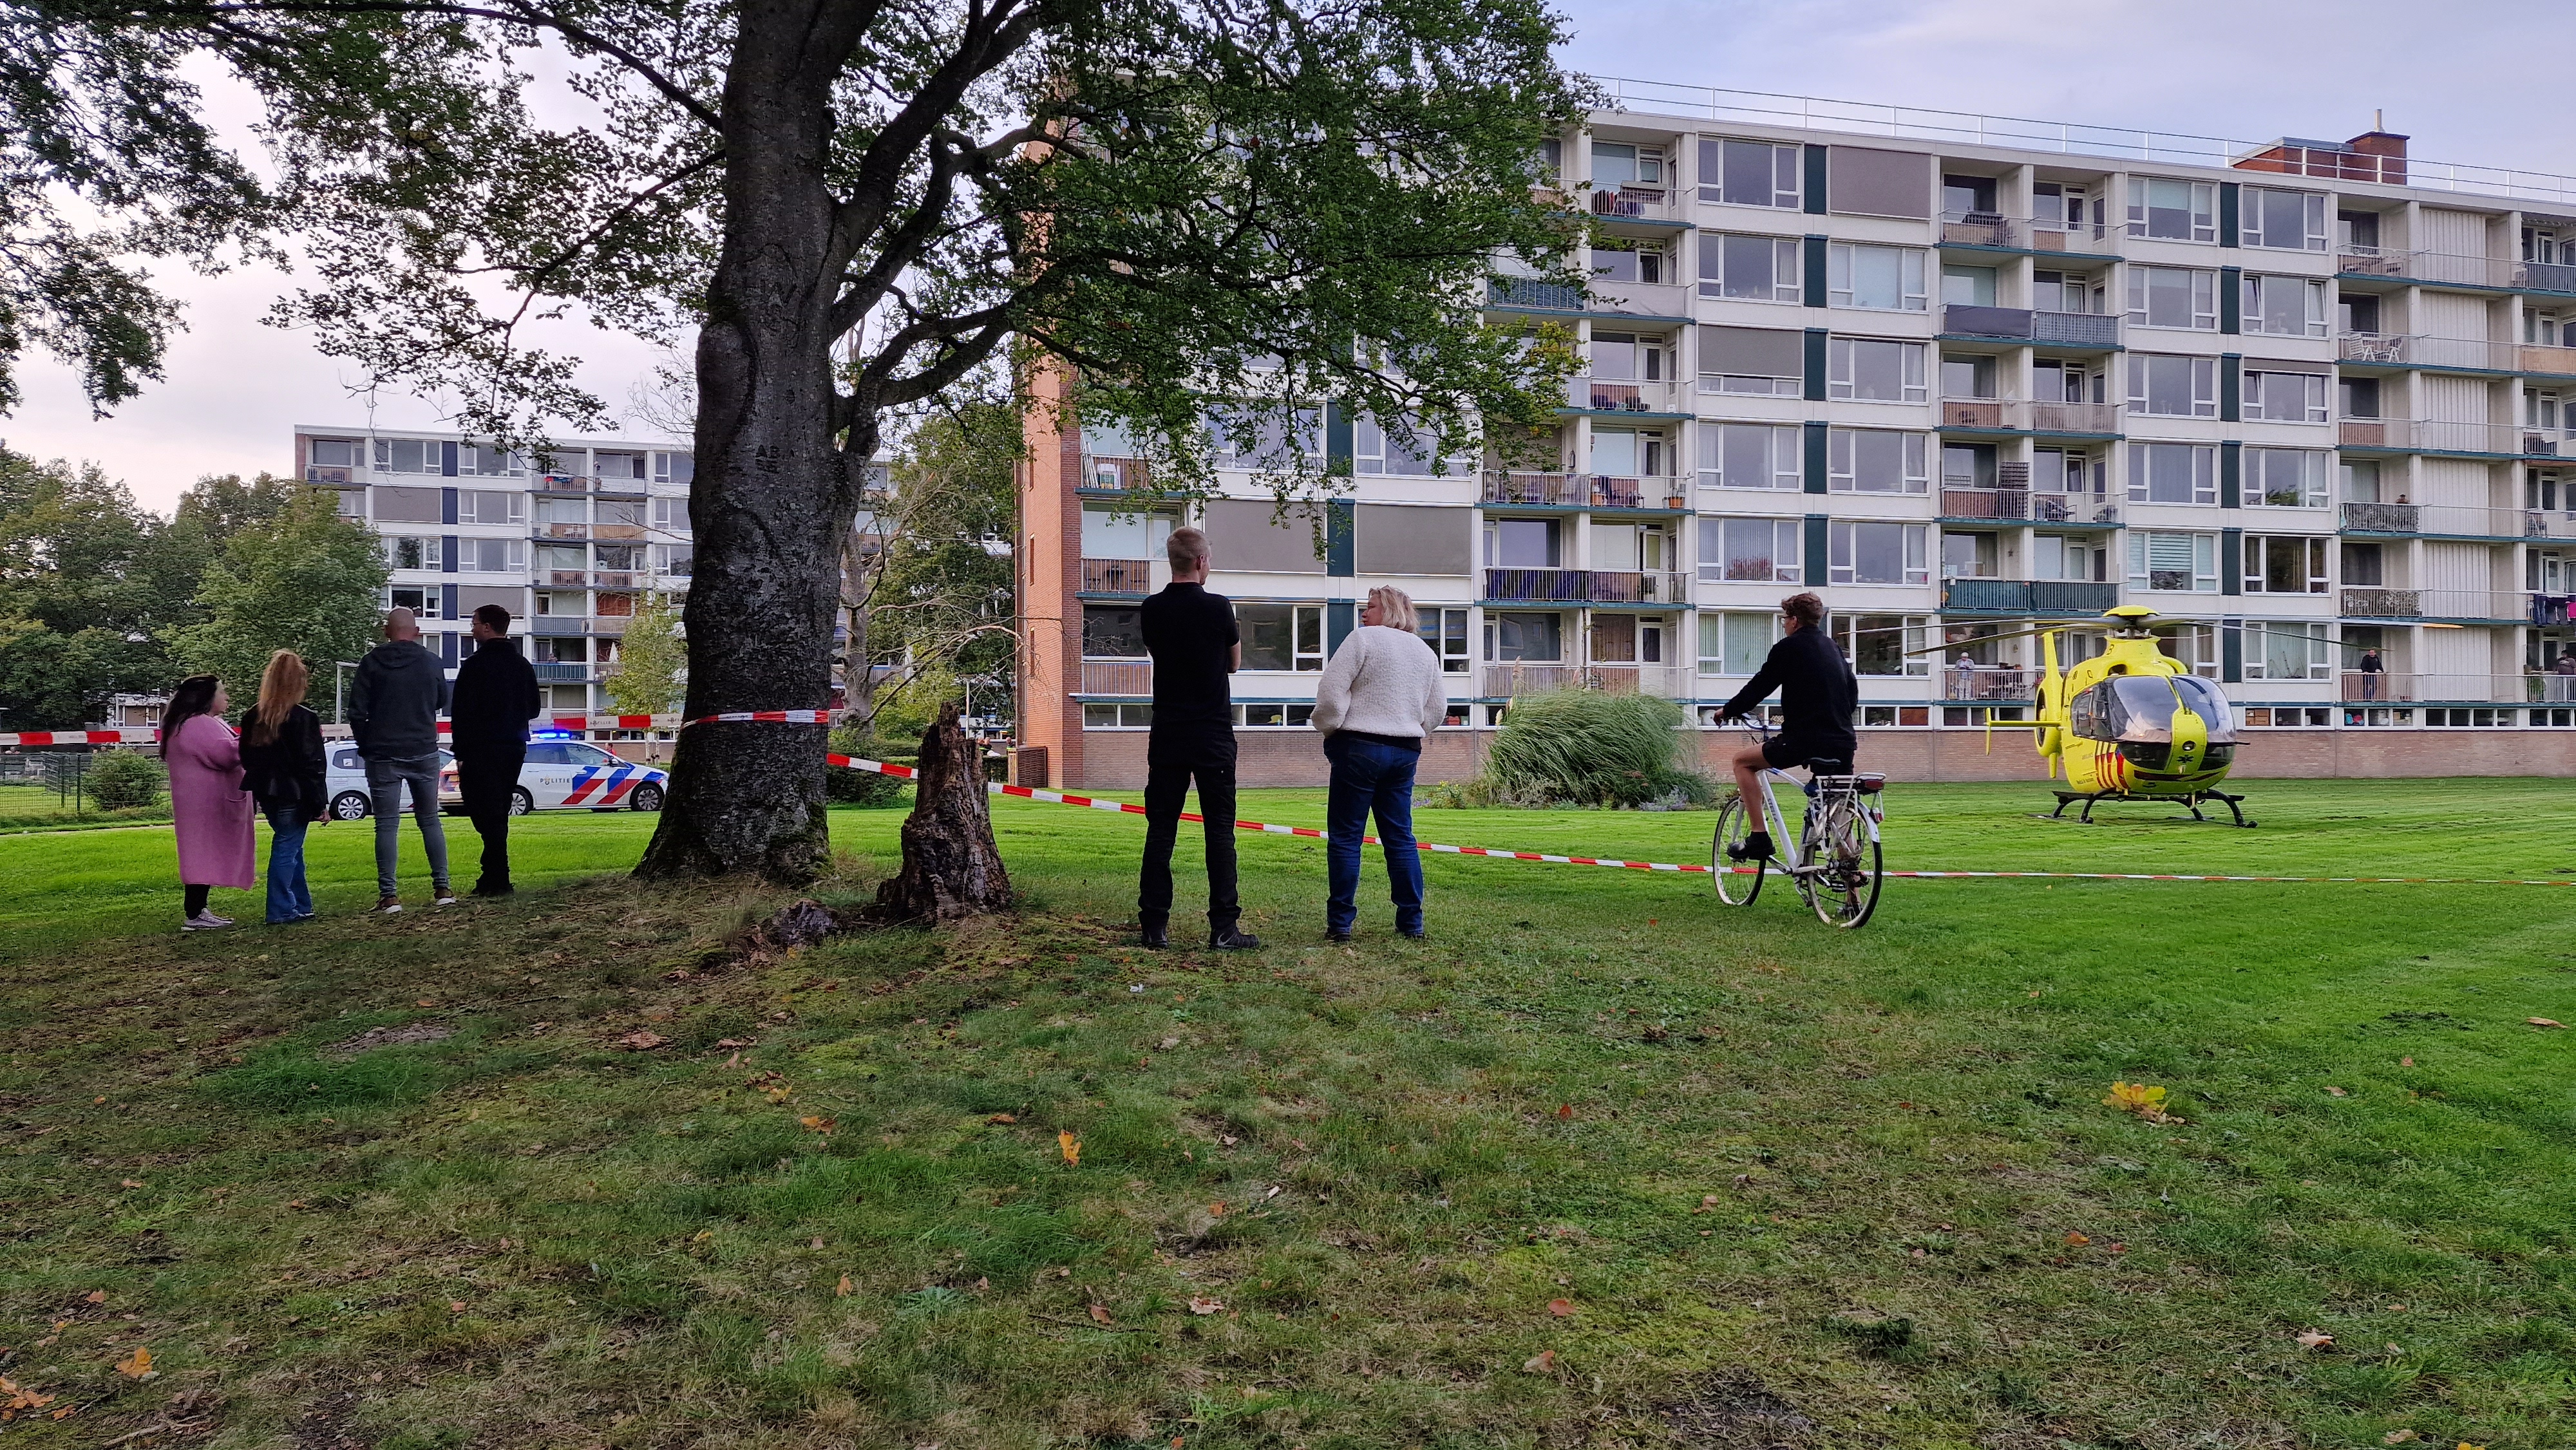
point(1550, 586)
point(2382, 603)
point(2368, 433)
point(1538, 489)
point(2075, 417)
point(1972, 413)
point(2537, 358)
point(1117, 677)
point(1117, 576)
point(1988, 682)
point(617, 531)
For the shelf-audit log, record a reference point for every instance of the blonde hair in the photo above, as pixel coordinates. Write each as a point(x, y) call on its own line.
point(1187, 548)
point(1395, 609)
point(281, 688)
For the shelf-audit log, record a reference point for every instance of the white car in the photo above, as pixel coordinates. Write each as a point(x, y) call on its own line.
point(571, 775)
point(344, 781)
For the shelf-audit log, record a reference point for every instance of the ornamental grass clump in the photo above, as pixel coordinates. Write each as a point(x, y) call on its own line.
point(1585, 747)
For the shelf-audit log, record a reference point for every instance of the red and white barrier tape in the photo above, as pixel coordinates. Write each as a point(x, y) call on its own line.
point(34, 738)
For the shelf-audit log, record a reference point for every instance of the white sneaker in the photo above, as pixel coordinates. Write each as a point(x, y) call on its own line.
point(446, 897)
point(205, 921)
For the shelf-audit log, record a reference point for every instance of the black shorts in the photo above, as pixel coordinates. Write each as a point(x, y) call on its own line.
point(1787, 752)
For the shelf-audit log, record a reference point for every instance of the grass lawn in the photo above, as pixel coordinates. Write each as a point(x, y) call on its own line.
point(1603, 1163)
point(36, 807)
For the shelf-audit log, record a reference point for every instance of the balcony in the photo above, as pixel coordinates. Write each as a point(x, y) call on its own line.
point(615, 579)
point(561, 483)
point(1118, 576)
point(1111, 475)
point(1990, 229)
point(1602, 395)
point(1509, 488)
point(1510, 681)
point(2422, 350)
point(2442, 435)
point(2468, 521)
point(2021, 324)
point(551, 673)
point(1530, 294)
point(1586, 586)
point(2052, 597)
point(617, 531)
point(2019, 415)
point(316, 474)
point(2356, 688)
point(2464, 604)
point(2458, 269)
point(1117, 677)
point(1634, 203)
point(1988, 682)
point(1640, 299)
point(1984, 503)
point(562, 531)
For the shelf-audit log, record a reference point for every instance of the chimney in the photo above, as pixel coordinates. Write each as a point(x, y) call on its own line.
point(2390, 150)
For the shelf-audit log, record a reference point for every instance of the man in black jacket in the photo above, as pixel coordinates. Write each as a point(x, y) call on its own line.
point(496, 696)
point(1196, 648)
point(393, 716)
point(1818, 697)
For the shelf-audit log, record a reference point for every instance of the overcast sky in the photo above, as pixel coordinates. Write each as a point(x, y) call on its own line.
point(2471, 81)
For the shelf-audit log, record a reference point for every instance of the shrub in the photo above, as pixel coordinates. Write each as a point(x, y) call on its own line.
point(848, 787)
point(124, 780)
point(1590, 748)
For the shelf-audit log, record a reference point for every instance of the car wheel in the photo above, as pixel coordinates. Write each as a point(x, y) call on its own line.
point(350, 805)
point(520, 801)
point(648, 798)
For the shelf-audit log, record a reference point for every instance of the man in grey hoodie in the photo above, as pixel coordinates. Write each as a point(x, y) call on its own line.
point(394, 704)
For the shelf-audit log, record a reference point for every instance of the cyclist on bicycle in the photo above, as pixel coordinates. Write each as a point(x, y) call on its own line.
point(1818, 697)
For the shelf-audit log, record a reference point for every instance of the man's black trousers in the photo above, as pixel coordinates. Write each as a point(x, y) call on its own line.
point(485, 776)
point(1171, 766)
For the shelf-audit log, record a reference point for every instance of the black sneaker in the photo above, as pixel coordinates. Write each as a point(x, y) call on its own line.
point(1153, 937)
point(1230, 939)
point(1338, 938)
point(1756, 847)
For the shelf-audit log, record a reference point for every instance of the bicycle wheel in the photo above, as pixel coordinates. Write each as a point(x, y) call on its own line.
point(1734, 823)
point(1844, 869)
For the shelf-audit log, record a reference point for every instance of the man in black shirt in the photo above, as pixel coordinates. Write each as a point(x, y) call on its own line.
point(1192, 637)
point(1817, 698)
point(488, 714)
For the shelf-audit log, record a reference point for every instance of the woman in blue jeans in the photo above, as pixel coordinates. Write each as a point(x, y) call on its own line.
point(281, 754)
point(1381, 697)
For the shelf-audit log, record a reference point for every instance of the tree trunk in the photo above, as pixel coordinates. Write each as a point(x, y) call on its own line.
point(774, 497)
point(951, 868)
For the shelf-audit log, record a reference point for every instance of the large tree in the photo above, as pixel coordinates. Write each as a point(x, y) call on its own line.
point(304, 578)
point(857, 203)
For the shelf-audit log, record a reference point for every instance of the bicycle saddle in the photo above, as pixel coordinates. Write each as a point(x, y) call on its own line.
point(1829, 767)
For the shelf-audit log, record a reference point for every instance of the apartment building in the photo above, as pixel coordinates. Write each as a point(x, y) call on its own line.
point(2310, 401)
point(569, 543)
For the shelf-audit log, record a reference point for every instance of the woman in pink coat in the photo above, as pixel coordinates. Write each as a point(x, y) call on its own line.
point(208, 806)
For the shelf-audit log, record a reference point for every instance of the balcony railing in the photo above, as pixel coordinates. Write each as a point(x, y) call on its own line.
point(561, 483)
point(562, 531)
point(2027, 596)
point(1531, 293)
point(1116, 475)
point(2427, 351)
point(1117, 677)
point(2384, 603)
point(1643, 203)
point(1991, 229)
point(1505, 488)
point(1118, 576)
point(2443, 435)
point(1989, 682)
point(1642, 299)
point(316, 474)
point(2064, 329)
point(617, 531)
point(1510, 681)
point(551, 673)
point(2025, 415)
point(2463, 520)
point(2470, 271)
point(1586, 586)
point(1968, 502)
point(2356, 687)
point(1602, 395)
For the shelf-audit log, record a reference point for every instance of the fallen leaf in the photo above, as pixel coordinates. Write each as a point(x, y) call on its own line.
point(1227, 1141)
point(1206, 1306)
point(2076, 1239)
point(95, 1296)
point(1560, 1307)
point(2117, 1248)
point(1707, 1201)
point(1543, 1362)
point(455, 1306)
point(18, 1397)
point(1217, 1209)
point(1167, 1044)
point(818, 1124)
point(2338, 1092)
point(642, 1040)
point(2396, 1437)
point(842, 1289)
point(815, 1243)
point(1004, 1119)
point(1071, 1145)
point(424, 1002)
point(724, 1042)
point(2392, 1348)
point(1099, 1313)
point(983, 1284)
point(2544, 1022)
point(2136, 1097)
point(136, 1365)
point(131, 1183)
point(2311, 1339)
point(2405, 1062)
point(1564, 1110)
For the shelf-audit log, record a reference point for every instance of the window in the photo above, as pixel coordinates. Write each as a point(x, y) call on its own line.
point(2195, 645)
point(1618, 357)
point(1966, 196)
point(2357, 314)
point(621, 513)
point(675, 560)
point(1402, 451)
point(1875, 460)
point(1887, 278)
point(334, 452)
point(1877, 644)
point(404, 552)
point(408, 455)
point(1749, 455)
point(2286, 478)
point(2175, 211)
point(1271, 444)
point(1275, 715)
point(1762, 362)
point(1969, 556)
point(2292, 307)
point(673, 513)
point(2067, 470)
point(2283, 650)
point(1445, 630)
point(490, 506)
point(2184, 473)
point(2056, 380)
point(2173, 297)
point(1759, 551)
point(2275, 565)
point(2293, 221)
point(2357, 397)
point(2171, 561)
point(1968, 286)
point(1113, 632)
point(2066, 292)
point(1736, 643)
point(1110, 534)
point(1968, 465)
point(569, 606)
point(674, 468)
point(567, 462)
point(2056, 206)
point(1281, 636)
point(1631, 262)
point(2173, 387)
point(1620, 453)
point(491, 556)
point(2364, 565)
point(353, 503)
point(1873, 553)
point(423, 603)
point(1621, 163)
point(1748, 173)
point(1967, 377)
point(1522, 543)
point(1100, 716)
point(1530, 638)
point(1748, 269)
point(2285, 397)
point(1873, 370)
point(2357, 233)
point(2057, 557)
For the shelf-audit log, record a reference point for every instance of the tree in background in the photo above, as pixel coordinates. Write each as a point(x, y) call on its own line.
point(652, 673)
point(305, 579)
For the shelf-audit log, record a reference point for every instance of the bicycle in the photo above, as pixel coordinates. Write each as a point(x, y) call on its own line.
point(1837, 868)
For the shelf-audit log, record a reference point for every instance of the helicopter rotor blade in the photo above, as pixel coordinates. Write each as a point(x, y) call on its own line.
point(2086, 628)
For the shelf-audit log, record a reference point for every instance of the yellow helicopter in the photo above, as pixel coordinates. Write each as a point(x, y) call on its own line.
point(2128, 723)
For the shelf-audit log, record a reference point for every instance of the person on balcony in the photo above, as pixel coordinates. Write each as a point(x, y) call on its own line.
point(1818, 697)
point(1196, 648)
point(2370, 672)
point(1380, 698)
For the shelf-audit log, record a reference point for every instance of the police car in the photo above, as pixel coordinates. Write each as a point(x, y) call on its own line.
point(344, 778)
point(563, 774)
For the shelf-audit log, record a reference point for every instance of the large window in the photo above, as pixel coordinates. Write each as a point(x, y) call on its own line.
point(1621, 163)
point(2272, 397)
point(403, 551)
point(1889, 279)
point(491, 556)
point(408, 455)
point(2286, 650)
point(1749, 455)
point(2173, 297)
point(1281, 636)
point(1762, 362)
point(2286, 307)
point(2285, 478)
point(1735, 643)
point(2068, 470)
point(2071, 557)
point(2173, 473)
point(490, 506)
point(1876, 553)
point(1529, 638)
point(1121, 534)
point(1969, 556)
point(1760, 551)
point(1523, 543)
point(1625, 453)
point(2172, 386)
point(1401, 450)
point(1875, 370)
point(2294, 221)
point(1113, 632)
point(335, 452)
point(2173, 561)
point(2195, 645)
point(1749, 173)
point(1748, 269)
point(1876, 460)
point(1879, 644)
point(1622, 260)
point(2174, 211)
point(1445, 630)
point(2276, 565)
point(1264, 442)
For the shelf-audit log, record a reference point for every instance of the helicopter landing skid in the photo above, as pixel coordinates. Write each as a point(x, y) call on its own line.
point(2067, 798)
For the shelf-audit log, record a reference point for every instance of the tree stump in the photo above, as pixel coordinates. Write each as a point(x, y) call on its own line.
point(951, 868)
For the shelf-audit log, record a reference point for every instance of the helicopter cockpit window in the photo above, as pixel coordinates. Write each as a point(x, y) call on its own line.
point(2140, 708)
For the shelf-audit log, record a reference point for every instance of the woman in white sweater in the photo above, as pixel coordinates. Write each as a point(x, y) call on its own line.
point(1381, 697)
